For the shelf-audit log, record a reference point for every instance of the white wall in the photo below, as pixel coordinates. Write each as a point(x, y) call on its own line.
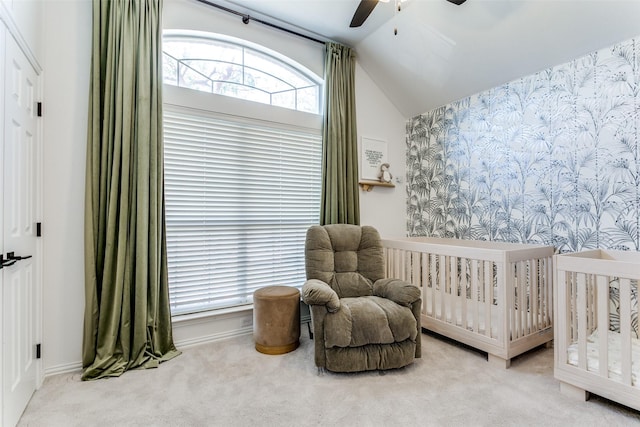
point(67, 55)
point(67, 28)
point(382, 207)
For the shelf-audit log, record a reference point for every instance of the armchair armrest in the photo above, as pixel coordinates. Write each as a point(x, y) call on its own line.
point(317, 292)
point(397, 290)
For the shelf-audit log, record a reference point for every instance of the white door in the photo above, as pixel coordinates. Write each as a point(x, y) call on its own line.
point(19, 196)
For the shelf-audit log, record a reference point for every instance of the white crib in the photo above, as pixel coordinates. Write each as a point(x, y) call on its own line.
point(493, 296)
point(596, 337)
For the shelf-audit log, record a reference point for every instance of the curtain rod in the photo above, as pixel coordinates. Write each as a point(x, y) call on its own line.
point(246, 19)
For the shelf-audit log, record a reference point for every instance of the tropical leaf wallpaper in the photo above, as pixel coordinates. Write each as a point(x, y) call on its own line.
point(551, 158)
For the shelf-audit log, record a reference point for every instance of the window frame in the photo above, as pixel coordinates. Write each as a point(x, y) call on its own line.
point(238, 109)
point(260, 50)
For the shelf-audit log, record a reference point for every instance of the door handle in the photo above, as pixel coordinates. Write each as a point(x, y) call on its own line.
point(13, 256)
point(6, 262)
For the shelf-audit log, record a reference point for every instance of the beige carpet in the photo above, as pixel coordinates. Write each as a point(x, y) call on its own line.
point(230, 384)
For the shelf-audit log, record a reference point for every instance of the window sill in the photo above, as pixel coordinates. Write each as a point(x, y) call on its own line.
point(203, 315)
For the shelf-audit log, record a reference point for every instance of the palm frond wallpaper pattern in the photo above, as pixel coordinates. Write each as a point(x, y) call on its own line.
point(551, 158)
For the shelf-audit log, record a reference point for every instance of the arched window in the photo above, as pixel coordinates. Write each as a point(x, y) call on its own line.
point(228, 66)
point(242, 180)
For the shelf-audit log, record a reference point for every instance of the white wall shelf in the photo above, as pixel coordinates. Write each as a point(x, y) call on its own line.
point(368, 185)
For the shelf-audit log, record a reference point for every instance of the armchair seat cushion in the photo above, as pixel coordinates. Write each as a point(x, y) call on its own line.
point(369, 320)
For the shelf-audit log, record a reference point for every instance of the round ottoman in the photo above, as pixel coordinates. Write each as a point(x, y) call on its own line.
point(276, 319)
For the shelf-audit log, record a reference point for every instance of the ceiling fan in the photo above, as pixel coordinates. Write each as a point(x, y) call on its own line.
point(366, 7)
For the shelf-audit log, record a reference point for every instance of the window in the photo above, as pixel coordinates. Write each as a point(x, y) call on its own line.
point(242, 185)
point(231, 67)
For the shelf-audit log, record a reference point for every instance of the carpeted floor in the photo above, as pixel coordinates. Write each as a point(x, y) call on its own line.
point(228, 383)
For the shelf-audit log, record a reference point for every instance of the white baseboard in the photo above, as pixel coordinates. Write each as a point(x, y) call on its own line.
point(65, 368)
point(186, 343)
point(69, 368)
point(192, 332)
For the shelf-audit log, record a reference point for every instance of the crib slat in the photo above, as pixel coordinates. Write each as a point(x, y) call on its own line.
point(545, 298)
point(602, 312)
point(581, 301)
point(524, 307)
point(391, 260)
point(424, 282)
point(528, 274)
point(522, 296)
point(512, 292)
point(474, 294)
point(385, 251)
point(535, 317)
point(505, 301)
point(443, 286)
point(415, 269)
point(453, 282)
point(573, 285)
point(434, 282)
point(513, 300)
point(406, 265)
point(562, 326)
point(486, 271)
point(625, 329)
point(385, 256)
point(464, 285)
point(527, 296)
point(450, 303)
point(442, 263)
point(588, 304)
point(516, 302)
point(591, 306)
point(549, 293)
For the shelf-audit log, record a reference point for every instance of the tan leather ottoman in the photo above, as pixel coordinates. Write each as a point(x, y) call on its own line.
point(276, 319)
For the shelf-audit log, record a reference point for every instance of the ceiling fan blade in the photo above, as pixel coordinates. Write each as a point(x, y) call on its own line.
point(458, 2)
point(362, 12)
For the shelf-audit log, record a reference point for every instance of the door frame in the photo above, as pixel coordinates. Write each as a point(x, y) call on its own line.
point(9, 28)
point(3, 36)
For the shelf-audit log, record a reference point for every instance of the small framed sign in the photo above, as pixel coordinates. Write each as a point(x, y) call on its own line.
point(373, 154)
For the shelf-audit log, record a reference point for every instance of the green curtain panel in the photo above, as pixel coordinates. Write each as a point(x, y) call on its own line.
point(340, 202)
point(127, 318)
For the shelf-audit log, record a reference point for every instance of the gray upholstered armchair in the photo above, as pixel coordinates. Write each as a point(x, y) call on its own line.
point(361, 320)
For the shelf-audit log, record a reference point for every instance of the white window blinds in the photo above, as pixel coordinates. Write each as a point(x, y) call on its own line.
point(240, 195)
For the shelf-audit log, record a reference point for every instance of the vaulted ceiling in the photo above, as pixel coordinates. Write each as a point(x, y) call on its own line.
point(443, 52)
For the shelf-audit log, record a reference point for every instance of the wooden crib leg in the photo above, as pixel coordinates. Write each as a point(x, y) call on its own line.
point(499, 361)
point(573, 391)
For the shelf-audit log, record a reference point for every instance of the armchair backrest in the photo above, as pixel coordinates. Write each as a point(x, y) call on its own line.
point(347, 257)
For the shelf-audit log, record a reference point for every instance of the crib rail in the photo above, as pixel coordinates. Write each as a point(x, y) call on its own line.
point(491, 295)
point(596, 345)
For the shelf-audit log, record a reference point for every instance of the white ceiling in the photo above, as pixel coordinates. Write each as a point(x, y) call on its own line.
point(444, 52)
